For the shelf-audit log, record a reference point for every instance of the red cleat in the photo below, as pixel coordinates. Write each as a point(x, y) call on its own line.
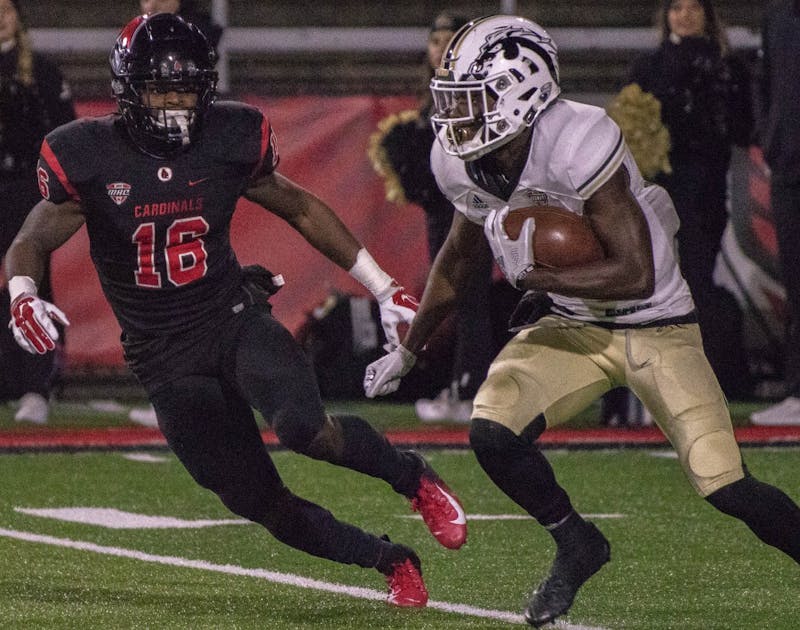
point(406, 587)
point(441, 510)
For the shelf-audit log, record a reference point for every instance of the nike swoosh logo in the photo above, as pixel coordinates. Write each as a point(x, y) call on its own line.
point(194, 182)
point(461, 518)
point(403, 299)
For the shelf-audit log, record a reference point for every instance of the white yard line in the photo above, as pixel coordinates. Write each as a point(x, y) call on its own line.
point(270, 576)
point(112, 518)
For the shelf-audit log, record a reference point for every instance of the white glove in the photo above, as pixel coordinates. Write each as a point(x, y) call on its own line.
point(514, 257)
point(383, 376)
point(32, 318)
point(397, 309)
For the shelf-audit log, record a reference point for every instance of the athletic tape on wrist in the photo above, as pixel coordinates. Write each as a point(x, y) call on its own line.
point(368, 273)
point(19, 285)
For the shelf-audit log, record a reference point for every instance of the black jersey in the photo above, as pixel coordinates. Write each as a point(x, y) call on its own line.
point(159, 229)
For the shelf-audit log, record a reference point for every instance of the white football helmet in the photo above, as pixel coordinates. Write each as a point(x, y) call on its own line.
point(497, 74)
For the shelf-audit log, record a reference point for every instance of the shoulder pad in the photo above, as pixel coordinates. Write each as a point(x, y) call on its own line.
point(238, 132)
point(589, 145)
point(80, 147)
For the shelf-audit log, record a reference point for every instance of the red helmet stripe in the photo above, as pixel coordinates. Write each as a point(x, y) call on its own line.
point(127, 32)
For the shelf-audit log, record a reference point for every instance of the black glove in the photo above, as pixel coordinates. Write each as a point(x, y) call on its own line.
point(530, 309)
point(259, 280)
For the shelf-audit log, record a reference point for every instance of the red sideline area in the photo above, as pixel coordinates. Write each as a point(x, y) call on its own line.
point(127, 438)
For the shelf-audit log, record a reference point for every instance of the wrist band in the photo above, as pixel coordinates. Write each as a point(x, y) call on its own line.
point(368, 273)
point(19, 285)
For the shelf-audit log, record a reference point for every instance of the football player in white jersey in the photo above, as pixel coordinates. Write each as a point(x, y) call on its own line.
point(506, 141)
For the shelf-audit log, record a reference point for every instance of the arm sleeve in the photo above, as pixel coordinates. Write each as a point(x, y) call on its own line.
point(241, 134)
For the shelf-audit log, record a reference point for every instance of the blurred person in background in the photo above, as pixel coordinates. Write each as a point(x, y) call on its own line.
point(34, 99)
point(189, 10)
point(778, 98)
point(404, 157)
point(705, 97)
point(705, 93)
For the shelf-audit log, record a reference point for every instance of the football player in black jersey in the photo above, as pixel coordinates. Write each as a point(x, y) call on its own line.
point(156, 185)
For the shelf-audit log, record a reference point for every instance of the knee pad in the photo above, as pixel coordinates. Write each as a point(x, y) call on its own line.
point(713, 460)
point(487, 436)
point(491, 439)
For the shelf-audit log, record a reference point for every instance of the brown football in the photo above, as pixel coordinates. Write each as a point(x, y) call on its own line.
point(561, 239)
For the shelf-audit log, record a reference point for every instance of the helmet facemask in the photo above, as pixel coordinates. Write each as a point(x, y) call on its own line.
point(149, 69)
point(173, 125)
point(496, 76)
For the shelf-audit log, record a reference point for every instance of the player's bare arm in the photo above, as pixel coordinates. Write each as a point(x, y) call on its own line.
point(460, 255)
point(627, 271)
point(323, 229)
point(46, 228)
point(309, 215)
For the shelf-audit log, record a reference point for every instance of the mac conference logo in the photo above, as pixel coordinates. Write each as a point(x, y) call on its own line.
point(119, 192)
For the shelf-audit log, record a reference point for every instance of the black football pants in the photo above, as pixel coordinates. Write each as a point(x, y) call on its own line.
point(203, 400)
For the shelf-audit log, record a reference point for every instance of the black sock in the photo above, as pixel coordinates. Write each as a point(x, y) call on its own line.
point(392, 554)
point(517, 466)
point(766, 510)
point(368, 451)
point(568, 530)
point(309, 527)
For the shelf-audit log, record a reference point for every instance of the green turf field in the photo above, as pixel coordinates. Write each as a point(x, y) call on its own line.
point(676, 562)
point(77, 413)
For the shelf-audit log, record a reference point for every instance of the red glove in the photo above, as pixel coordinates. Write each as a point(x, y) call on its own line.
point(32, 322)
point(397, 309)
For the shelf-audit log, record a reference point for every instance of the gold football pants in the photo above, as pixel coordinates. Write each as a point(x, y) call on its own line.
point(559, 367)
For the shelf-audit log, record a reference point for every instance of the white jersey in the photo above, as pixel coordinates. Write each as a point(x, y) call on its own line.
point(575, 150)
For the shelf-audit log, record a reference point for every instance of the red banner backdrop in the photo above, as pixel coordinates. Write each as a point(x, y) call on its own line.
point(322, 142)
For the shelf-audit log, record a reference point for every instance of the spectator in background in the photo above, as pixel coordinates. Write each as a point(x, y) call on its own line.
point(402, 154)
point(34, 99)
point(705, 96)
point(189, 10)
point(779, 126)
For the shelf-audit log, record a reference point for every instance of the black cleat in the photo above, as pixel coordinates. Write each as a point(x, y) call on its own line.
point(573, 565)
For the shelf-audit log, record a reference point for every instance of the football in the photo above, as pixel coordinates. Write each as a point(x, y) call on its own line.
point(561, 239)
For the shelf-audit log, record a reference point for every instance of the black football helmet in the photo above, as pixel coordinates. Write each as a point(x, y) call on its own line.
point(165, 53)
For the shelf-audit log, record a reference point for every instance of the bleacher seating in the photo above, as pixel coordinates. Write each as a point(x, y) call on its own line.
point(353, 71)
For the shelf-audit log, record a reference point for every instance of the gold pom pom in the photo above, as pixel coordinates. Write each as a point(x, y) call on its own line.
point(380, 160)
point(638, 115)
